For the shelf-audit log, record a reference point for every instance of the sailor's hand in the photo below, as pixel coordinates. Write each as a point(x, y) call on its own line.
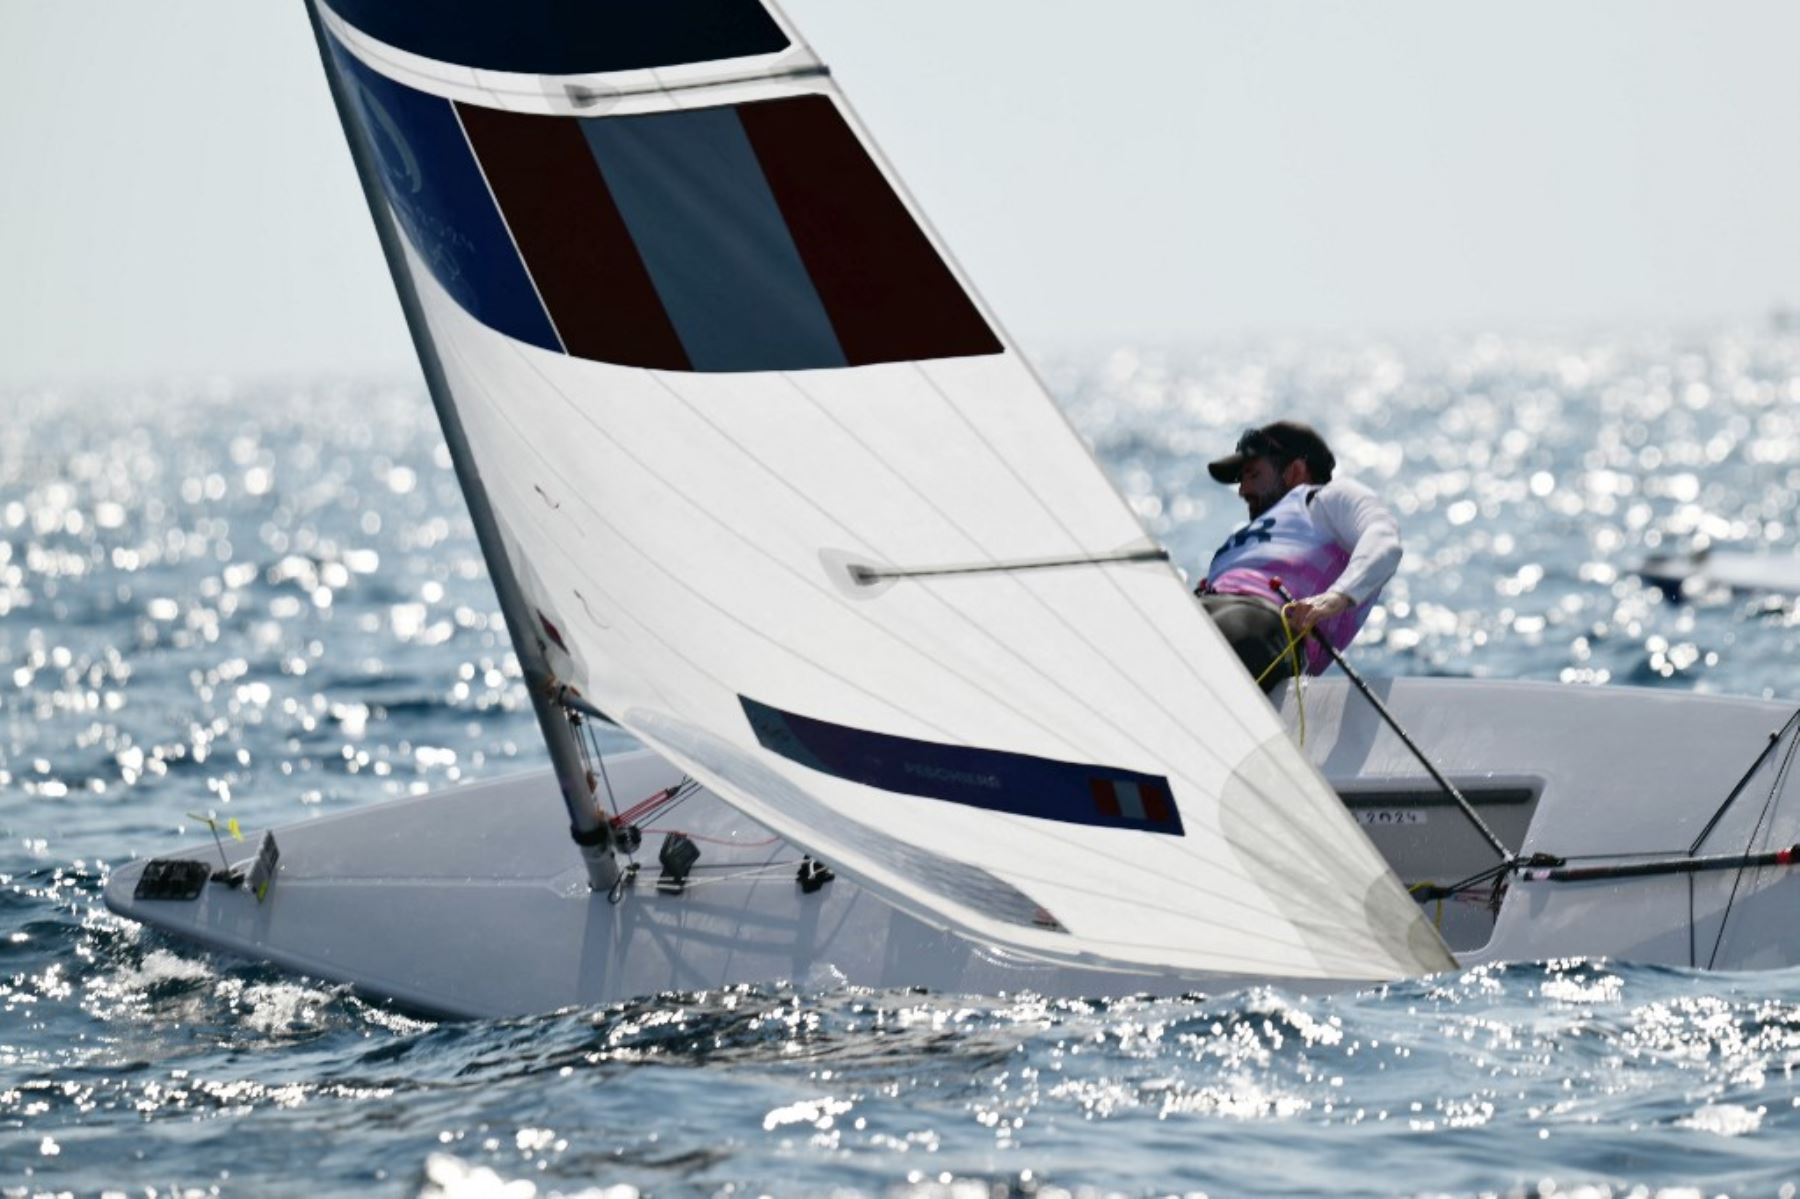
point(1303, 614)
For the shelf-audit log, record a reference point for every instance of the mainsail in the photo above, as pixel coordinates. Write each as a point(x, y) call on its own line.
point(788, 504)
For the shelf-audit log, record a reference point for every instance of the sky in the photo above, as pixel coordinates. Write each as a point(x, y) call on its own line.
point(177, 198)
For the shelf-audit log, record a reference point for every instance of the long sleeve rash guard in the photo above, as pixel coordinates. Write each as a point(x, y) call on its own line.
point(1359, 522)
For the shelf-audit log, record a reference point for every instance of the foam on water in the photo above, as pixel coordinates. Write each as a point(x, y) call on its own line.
point(267, 602)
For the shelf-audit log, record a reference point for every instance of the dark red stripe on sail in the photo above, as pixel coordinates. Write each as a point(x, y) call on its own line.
point(889, 295)
point(573, 240)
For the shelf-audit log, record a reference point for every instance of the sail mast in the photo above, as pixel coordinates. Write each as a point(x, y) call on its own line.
point(587, 825)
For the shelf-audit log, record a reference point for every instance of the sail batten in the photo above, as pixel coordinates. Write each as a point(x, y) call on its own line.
point(555, 37)
point(752, 365)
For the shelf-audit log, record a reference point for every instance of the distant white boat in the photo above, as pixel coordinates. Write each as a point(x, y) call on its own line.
point(761, 480)
point(1676, 574)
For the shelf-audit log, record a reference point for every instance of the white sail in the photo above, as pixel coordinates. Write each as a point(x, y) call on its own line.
point(788, 497)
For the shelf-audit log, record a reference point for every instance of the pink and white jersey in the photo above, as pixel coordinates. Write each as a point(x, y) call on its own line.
point(1337, 537)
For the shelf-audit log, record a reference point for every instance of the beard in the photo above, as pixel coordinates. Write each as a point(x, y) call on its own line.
point(1260, 502)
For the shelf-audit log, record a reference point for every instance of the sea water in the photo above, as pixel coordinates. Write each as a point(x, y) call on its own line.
point(265, 601)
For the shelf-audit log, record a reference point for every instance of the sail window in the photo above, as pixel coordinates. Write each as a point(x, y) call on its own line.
point(571, 233)
point(752, 237)
point(891, 296)
point(714, 240)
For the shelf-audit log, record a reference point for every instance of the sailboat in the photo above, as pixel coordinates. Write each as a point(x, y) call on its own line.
point(1708, 569)
point(762, 481)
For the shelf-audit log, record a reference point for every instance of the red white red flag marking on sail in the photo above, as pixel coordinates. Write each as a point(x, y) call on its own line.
point(1123, 799)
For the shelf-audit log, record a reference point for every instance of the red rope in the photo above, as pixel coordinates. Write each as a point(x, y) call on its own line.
point(645, 806)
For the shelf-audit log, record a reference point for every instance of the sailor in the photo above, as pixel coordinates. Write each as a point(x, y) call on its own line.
point(1330, 542)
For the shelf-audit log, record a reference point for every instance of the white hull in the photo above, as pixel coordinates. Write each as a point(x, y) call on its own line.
point(473, 902)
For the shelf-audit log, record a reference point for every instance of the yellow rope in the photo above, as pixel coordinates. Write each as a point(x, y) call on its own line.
point(1291, 653)
point(1288, 652)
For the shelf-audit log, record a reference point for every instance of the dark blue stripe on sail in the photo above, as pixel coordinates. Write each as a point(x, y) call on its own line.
point(1070, 792)
point(436, 188)
point(568, 37)
point(714, 241)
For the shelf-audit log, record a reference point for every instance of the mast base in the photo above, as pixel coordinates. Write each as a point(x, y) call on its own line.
point(603, 871)
point(602, 865)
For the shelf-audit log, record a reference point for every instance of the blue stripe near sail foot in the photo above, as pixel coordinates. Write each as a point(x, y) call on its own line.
point(991, 779)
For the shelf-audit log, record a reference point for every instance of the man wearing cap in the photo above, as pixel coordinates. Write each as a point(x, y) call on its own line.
point(1331, 543)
